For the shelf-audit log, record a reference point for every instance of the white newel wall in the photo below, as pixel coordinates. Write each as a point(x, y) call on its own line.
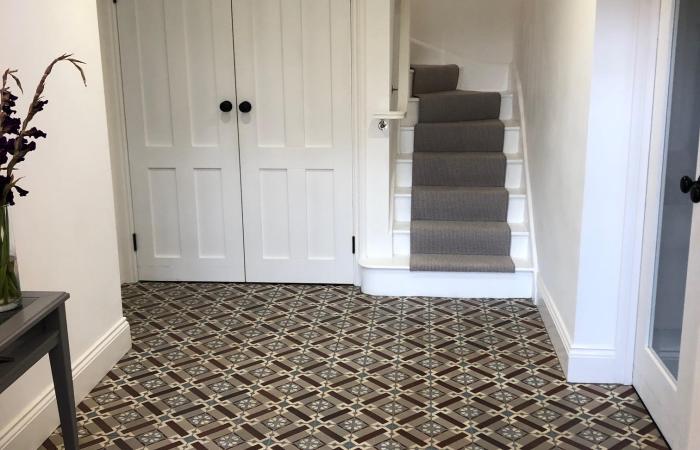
point(373, 73)
point(65, 228)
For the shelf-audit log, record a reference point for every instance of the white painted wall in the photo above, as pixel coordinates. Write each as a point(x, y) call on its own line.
point(477, 35)
point(584, 76)
point(65, 228)
point(554, 60)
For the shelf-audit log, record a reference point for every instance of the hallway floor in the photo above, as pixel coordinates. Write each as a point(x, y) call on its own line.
point(226, 366)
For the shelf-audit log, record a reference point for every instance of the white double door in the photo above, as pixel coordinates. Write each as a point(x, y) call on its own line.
point(667, 357)
point(218, 195)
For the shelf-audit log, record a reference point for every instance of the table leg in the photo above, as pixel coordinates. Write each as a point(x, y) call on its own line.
point(63, 382)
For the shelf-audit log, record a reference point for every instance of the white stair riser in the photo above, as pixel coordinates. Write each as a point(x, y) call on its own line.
point(516, 208)
point(511, 141)
point(514, 173)
point(506, 106)
point(411, 118)
point(447, 284)
point(519, 245)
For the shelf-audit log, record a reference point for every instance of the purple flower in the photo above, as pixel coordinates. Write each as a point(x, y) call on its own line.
point(16, 137)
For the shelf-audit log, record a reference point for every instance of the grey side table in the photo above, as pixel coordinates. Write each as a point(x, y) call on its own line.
point(29, 333)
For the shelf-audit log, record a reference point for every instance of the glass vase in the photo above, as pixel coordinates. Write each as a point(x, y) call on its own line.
point(10, 292)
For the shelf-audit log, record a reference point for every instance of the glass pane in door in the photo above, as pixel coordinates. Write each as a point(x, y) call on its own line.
point(676, 210)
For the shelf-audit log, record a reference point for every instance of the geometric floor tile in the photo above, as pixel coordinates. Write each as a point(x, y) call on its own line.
point(264, 366)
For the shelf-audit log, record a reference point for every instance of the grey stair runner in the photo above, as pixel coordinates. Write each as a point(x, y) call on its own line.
point(463, 238)
point(428, 79)
point(470, 136)
point(462, 263)
point(459, 169)
point(459, 205)
point(457, 106)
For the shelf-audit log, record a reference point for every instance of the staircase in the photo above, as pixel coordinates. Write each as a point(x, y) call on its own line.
point(460, 210)
point(459, 203)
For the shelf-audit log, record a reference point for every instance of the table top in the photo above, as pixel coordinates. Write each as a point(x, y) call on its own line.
point(35, 306)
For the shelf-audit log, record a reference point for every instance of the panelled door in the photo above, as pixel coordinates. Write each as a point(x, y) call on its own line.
point(293, 74)
point(293, 113)
point(667, 359)
point(178, 72)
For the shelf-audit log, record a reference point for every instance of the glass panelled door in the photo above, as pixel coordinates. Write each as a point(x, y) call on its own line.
point(667, 347)
point(676, 212)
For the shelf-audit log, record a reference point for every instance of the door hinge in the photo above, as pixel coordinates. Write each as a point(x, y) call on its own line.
point(135, 242)
point(353, 245)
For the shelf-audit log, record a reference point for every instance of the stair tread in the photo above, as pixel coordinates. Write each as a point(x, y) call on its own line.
point(434, 78)
point(406, 191)
point(401, 262)
point(508, 124)
point(511, 157)
point(461, 224)
point(460, 237)
point(460, 155)
point(457, 106)
point(457, 93)
point(516, 229)
point(461, 263)
point(503, 94)
point(464, 189)
point(474, 169)
point(464, 136)
point(488, 204)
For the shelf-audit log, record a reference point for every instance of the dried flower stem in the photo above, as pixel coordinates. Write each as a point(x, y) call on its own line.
point(34, 107)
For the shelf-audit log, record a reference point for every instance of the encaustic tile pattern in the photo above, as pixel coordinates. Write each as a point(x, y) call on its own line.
point(255, 366)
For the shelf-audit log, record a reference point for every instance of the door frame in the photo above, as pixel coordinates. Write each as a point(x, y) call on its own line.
point(118, 150)
point(116, 124)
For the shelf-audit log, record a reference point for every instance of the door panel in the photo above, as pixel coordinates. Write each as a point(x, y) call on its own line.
point(293, 65)
point(177, 66)
point(676, 211)
point(669, 316)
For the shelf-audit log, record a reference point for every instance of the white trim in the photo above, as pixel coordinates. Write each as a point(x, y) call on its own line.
point(554, 323)
point(387, 279)
point(639, 150)
point(40, 418)
point(581, 364)
point(116, 126)
point(518, 87)
point(358, 87)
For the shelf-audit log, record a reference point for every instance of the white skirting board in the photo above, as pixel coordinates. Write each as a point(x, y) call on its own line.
point(40, 419)
point(581, 364)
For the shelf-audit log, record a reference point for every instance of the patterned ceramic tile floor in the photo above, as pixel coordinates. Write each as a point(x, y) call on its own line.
point(223, 366)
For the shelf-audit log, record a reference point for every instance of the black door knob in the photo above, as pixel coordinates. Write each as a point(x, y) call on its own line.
point(686, 184)
point(695, 193)
point(245, 107)
point(226, 106)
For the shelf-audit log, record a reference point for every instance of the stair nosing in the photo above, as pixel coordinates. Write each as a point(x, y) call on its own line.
point(516, 228)
point(405, 191)
point(509, 125)
point(503, 94)
point(511, 158)
point(401, 262)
